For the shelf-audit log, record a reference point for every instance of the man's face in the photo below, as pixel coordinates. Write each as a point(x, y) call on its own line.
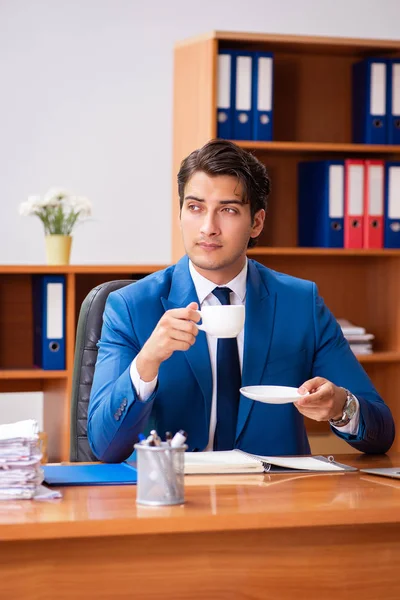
point(216, 225)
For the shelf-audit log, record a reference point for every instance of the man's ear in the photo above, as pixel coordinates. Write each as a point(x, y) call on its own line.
point(258, 223)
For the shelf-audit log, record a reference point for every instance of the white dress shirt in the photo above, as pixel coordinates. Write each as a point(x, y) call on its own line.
point(204, 288)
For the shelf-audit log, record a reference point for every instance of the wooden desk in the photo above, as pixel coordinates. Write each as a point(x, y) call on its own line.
point(253, 536)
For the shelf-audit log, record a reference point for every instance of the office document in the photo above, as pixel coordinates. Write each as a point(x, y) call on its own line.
point(237, 461)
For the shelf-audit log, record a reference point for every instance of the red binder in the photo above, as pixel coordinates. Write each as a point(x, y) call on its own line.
point(353, 203)
point(374, 193)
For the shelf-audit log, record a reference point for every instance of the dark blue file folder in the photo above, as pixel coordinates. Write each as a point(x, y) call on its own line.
point(321, 204)
point(369, 106)
point(49, 321)
point(391, 236)
point(393, 102)
point(263, 96)
point(225, 95)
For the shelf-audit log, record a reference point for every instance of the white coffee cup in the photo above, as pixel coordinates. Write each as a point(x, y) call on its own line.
point(222, 321)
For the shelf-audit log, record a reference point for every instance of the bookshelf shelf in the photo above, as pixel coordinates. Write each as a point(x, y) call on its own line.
point(380, 357)
point(79, 269)
point(32, 374)
point(311, 121)
point(326, 252)
point(319, 147)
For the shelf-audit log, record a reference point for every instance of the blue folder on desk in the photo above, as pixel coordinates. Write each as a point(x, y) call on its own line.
point(97, 474)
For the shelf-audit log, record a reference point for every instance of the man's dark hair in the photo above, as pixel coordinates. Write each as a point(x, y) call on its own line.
point(221, 157)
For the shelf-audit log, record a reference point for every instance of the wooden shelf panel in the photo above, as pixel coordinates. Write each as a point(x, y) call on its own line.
point(318, 147)
point(380, 357)
point(85, 269)
point(300, 43)
point(32, 374)
point(334, 252)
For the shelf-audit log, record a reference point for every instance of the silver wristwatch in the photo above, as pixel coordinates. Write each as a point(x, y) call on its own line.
point(349, 410)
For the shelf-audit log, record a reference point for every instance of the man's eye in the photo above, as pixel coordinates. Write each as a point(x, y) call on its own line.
point(230, 210)
point(193, 207)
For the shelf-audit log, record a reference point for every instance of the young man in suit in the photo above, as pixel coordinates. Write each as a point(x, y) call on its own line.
point(156, 369)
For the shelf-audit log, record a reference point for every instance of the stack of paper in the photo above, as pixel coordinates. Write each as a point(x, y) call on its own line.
point(360, 341)
point(20, 472)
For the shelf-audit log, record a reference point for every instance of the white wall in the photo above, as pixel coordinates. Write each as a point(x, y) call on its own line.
point(86, 104)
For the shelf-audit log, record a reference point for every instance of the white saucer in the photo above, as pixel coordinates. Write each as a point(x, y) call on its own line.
point(272, 394)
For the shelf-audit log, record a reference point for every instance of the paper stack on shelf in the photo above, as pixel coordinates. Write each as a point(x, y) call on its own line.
point(20, 472)
point(360, 341)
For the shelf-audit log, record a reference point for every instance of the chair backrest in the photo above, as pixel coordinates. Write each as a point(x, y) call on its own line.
point(87, 335)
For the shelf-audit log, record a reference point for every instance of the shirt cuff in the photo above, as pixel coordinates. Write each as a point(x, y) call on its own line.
point(352, 425)
point(144, 389)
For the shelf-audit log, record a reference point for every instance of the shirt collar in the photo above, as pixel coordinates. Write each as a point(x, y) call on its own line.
point(204, 286)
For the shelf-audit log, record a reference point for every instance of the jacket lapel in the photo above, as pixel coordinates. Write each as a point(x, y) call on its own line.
point(183, 292)
point(259, 324)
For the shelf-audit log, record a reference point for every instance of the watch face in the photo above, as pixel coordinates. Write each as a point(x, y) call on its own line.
point(351, 407)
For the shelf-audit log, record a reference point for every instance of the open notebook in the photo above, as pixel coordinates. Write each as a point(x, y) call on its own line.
point(237, 461)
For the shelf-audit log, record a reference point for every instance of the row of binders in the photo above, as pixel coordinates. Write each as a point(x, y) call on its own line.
point(245, 98)
point(48, 300)
point(349, 203)
point(376, 101)
point(244, 95)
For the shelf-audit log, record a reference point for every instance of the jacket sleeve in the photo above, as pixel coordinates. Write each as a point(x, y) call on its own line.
point(334, 360)
point(116, 415)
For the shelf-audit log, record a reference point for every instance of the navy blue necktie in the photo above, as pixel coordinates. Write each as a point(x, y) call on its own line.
point(228, 384)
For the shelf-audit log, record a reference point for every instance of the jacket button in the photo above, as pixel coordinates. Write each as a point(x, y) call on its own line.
point(124, 402)
point(116, 416)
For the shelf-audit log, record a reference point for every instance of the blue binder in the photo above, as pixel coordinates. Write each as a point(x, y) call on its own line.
point(393, 101)
point(369, 106)
point(391, 236)
point(263, 68)
point(49, 321)
point(225, 93)
point(321, 204)
point(96, 474)
point(243, 92)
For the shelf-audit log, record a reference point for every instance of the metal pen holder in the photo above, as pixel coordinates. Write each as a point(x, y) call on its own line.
point(160, 474)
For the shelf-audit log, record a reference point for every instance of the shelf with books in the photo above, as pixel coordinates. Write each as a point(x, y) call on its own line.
point(17, 371)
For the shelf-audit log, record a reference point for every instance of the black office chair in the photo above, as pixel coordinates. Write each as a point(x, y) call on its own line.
point(87, 335)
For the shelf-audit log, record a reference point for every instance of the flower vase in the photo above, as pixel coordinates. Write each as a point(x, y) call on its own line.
point(58, 249)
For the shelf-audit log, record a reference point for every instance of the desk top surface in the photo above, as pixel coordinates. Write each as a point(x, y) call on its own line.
point(215, 503)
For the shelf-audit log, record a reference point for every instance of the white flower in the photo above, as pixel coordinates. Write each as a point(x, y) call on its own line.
point(53, 197)
point(25, 209)
point(29, 208)
point(81, 204)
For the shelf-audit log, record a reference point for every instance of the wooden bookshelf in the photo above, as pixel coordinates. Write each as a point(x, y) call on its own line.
point(312, 120)
point(17, 373)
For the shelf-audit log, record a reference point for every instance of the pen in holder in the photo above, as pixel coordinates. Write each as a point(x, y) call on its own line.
point(160, 474)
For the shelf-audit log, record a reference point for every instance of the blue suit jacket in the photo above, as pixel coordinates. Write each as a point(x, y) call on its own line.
point(290, 336)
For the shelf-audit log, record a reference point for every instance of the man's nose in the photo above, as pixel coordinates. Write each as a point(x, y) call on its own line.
point(210, 225)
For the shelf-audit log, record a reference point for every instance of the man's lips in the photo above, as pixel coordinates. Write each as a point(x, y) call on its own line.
point(209, 245)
